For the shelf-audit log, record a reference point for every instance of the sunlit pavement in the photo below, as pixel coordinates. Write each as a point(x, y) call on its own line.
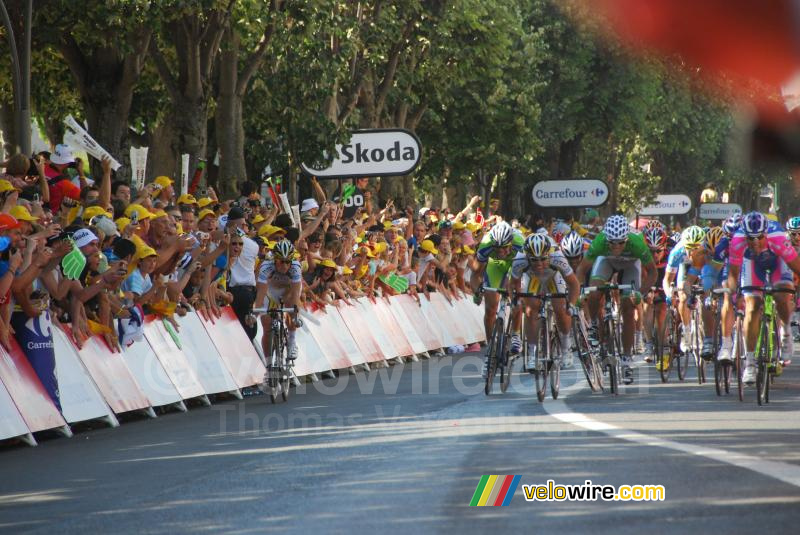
point(402, 449)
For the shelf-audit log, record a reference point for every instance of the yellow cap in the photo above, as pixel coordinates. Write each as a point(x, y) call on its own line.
point(20, 213)
point(466, 249)
point(161, 182)
point(380, 247)
point(204, 213)
point(328, 263)
point(93, 211)
point(187, 198)
point(205, 201)
point(258, 219)
point(269, 230)
point(5, 185)
point(473, 227)
point(122, 222)
point(347, 271)
point(399, 238)
point(143, 213)
point(145, 251)
point(159, 213)
point(366, 249)
point(458, 225)
point(427, 245)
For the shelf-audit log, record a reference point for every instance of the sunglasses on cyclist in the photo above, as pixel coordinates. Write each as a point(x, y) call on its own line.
point(537, 258)
point(794, 233)
point(755, 238)
point(618, 242)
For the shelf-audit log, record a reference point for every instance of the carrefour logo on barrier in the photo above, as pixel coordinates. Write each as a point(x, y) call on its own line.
point(570, 193)
point(671, 204)
point(719, 210)
point(389, 152)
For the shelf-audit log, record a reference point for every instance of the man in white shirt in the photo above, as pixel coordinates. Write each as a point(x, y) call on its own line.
point(242, 281)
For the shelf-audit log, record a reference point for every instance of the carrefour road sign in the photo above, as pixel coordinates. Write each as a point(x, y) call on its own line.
point(675, 204)
point(570, 193)
point(719, 210)
point(380, 152)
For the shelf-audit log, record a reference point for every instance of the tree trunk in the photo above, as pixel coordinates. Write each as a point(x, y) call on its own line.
point(7, 126)
point(228, 120)
point(160, 156)
point(568, 155)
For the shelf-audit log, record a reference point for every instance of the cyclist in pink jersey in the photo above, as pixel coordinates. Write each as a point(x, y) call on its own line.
point(758, 247)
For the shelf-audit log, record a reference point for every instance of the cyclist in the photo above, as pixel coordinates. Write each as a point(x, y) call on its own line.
point(687, 261)
point(279, 281)
point(573, 247)
point(793, 228)
point(655, 301)
point(543, 268)
point(490, 267)
point(617, 250)
point(761, 245)
point(721, 257)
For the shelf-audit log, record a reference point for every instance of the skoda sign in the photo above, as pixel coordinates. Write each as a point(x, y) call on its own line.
point(668, 205)
point(389, 152)
point(718, 210)
point(573, 193)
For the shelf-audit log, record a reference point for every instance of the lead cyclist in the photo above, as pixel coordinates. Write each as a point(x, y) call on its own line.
point(490, 268)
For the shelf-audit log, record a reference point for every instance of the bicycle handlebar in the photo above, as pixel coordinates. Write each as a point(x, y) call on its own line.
point(542, 296)
point(262, 311)
point(606, 287)
point(767, 289)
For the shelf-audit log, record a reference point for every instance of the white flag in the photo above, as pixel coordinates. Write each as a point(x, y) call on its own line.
point(138, 166)
point(184, 173)
point(81, 139)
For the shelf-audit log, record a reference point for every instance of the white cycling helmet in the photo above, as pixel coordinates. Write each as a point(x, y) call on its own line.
point(283, 250)
point(538, 245)
point(572, 245)
point(616, 228)
point(502, 234)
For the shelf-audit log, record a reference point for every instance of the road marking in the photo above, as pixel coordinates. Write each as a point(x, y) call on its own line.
point(788, 473)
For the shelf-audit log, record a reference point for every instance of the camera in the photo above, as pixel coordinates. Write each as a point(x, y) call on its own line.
point(135, 218)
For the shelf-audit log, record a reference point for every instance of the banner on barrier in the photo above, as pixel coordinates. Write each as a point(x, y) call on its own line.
point(32, 400)
point(418, 322)
point(388, 331)
point(236, 349)
point(203, 357)
point(81, 400)
point(311, 357)
point(112, 376)
point(318, 324)
point(355, 318)
point(172, 358)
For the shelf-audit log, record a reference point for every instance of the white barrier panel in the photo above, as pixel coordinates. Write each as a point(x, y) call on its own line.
point(402, 318)
point(388, 331)
point(474, 327)
point(204, 357)
point(172, 358)
point(11, 422)
point(32, 400)
point(447, 315)
point(318, 324)
point(477, 312)
point(150, 375)
point(112, 376)
point(356, 318)
point(428, 333)
point(80, 398)
point(435, 321)
point(335, 327)
point(235, 348)
point(311, 357)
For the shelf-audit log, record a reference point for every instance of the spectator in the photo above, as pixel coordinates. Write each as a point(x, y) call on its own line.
point(241, 265)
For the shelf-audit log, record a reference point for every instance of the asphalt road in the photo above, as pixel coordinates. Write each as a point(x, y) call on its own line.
point(402, 449)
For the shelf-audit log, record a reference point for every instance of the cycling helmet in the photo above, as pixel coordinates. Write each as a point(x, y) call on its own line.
point(502, 234)
point(283, 250)
point(693, 236)
point(793, 224)
point(538, 245)
point(713, 238)
point(676, 237)
point(616, 228)
point(653, 224)
point(755, 223)
point(655, 237)
point(732, 224)
point(572, 245)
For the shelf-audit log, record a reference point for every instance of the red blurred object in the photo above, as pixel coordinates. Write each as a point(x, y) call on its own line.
point(741, 39)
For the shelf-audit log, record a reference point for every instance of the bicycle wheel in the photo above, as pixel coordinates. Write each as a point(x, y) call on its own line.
point(611, 358)
point(719, 367)
point(286, 372)
point(668, 349)
point(682, 356)
point(697, 348)
point(762, 372)
point(738, 353)
point(274, 370)
point(542, 361)
point(584, 356)
point(555, 364)
point(492, 356)
point(504, 365)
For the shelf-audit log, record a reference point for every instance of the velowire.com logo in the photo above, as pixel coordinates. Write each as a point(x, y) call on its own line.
point(495, 490)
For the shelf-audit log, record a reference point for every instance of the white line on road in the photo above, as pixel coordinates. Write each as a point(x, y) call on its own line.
point(788, 473)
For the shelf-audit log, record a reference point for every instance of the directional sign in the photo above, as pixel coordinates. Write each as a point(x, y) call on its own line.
point(570, 193)
point(675, 204)
point(718, 210)
point(386, 152)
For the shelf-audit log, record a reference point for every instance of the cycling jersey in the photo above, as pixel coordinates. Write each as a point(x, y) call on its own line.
point(635, 248)
point(487, 249)
point(279, 282)
point(778, 245)
point(557, 263)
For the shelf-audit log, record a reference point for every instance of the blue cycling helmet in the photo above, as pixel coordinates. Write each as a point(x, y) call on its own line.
point(755, 224)
point(732, 224)
point(793, 224)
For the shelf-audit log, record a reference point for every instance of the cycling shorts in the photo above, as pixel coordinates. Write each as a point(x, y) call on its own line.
point(628, 271)
point(535, 285)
